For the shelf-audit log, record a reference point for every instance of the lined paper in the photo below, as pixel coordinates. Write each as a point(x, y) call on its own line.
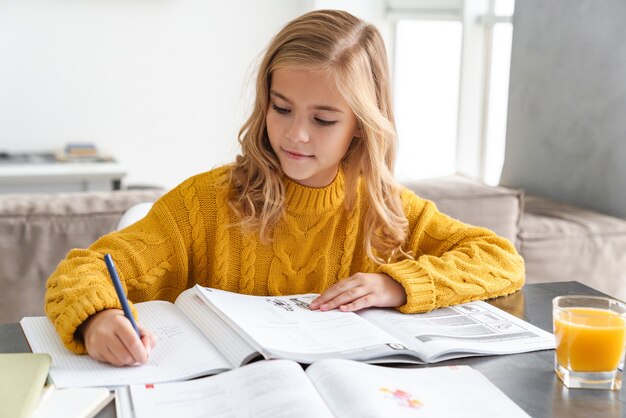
point(182, 352)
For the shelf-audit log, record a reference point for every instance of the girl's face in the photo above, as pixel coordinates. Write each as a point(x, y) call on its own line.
point(310, 126)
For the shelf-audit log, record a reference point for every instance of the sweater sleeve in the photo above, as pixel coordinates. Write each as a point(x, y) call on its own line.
point(453, 262)
point(151, 262)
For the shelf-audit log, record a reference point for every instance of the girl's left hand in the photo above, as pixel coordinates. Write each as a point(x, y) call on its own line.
point(359, 291)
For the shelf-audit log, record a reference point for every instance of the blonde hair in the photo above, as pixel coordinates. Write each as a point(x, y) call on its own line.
point(352, 52)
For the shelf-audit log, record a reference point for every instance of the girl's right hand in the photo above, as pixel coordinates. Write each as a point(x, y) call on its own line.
point(110, 338)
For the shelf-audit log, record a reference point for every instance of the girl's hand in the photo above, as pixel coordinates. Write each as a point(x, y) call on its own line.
point(110, 338)
point(359, 291)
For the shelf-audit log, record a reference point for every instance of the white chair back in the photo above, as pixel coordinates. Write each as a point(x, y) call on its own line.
point(133, 214)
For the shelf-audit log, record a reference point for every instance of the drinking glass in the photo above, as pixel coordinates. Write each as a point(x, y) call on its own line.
point(590, 336)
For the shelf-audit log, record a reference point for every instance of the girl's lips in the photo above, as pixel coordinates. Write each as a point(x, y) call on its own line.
point(296, 155)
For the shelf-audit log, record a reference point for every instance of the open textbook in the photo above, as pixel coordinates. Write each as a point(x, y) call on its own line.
point(332, 387)
point(208, 331)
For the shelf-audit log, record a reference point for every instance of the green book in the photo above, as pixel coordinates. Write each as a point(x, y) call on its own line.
point(22, 378)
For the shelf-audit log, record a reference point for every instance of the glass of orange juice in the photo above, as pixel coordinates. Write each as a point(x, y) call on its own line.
point(590, 333)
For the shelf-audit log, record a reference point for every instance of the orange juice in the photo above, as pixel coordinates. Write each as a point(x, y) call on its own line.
point(589, 339)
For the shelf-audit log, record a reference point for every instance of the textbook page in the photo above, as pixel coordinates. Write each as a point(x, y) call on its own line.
point(269, 388)
point(285, 327)
point(181, 352)
point(352, 389)
point(123, 403)
point(473, 328)
point(236, 350)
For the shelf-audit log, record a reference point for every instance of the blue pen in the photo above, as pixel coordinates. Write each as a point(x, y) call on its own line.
point(120, 291)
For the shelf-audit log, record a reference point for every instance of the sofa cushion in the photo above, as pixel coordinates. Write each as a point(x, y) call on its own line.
point(37, 231)
point(561, 242)
point(496, 208)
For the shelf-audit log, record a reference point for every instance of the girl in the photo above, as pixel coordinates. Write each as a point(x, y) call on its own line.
point(310, 205)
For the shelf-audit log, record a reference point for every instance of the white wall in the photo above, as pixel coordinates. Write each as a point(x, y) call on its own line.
point(158, 84)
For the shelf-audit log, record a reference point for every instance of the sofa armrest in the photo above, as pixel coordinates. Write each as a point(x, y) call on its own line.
point(38, 230)
point(561, 242)
point(494, 207)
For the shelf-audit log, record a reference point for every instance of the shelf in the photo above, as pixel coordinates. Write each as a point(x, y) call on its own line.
point(60, 177)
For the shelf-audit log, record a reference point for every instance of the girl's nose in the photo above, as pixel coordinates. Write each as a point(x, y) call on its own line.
point(297, 131)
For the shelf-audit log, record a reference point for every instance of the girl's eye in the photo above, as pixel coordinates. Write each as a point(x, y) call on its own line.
point(323, 122)
point(280, 110)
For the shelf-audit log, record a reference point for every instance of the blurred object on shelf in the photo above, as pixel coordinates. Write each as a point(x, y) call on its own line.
point(79, 167)
point(7, 158)
point(73, 152)
point(81, 151)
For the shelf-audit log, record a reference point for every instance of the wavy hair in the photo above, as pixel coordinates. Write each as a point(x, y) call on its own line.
point(352, 52)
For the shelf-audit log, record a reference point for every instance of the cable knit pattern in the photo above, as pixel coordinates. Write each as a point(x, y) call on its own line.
point(289, 248)
point(188, 237)
point(192, 204)
point(248, 259)
point(152, 275)
point(352, 228)
point(222, 242)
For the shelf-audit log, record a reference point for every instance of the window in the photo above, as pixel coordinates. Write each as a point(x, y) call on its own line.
point(426, 96)
point(451, 68)
point(498, 88)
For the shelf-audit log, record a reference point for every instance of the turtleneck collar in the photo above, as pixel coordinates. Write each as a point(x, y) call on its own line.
point(305, 200)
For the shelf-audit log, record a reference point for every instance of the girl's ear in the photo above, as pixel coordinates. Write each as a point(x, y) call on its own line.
point(358, 132)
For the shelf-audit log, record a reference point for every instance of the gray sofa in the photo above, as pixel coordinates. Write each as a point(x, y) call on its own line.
point(37, 230)
point(558, 242)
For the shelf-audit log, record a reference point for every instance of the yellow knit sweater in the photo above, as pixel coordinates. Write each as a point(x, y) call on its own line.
point(188, 238)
